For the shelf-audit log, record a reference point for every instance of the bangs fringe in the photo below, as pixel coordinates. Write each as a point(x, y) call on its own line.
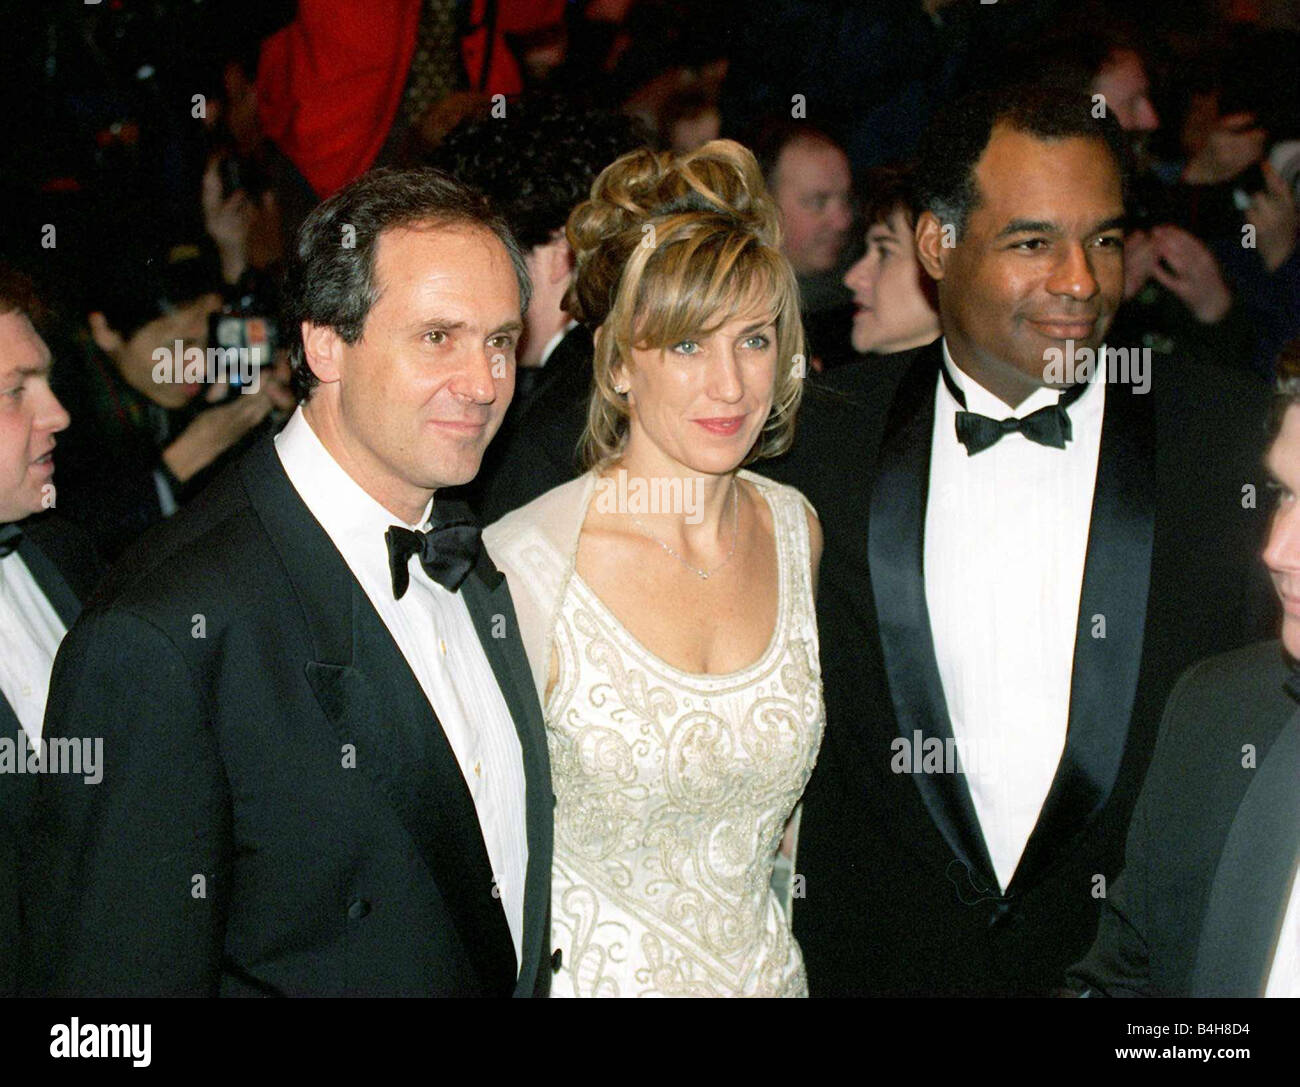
point(696, 286)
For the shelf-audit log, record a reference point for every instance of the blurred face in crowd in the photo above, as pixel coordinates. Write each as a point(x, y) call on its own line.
point(30, 416)
point(1282, 552)
point(1219, 146)
point(1039, 264)
point(702, 402)
point(1123, 81)
point(134, 355)
point(890, 309)
point(813, 189)
point(411, 406)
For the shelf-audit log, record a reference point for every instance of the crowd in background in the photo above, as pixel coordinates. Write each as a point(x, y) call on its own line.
point(171, 153)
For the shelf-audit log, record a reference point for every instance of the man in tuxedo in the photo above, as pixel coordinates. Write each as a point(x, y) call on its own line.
point(45, 570)
point(1019, 562)
point(325, 768)
point(1208, 903)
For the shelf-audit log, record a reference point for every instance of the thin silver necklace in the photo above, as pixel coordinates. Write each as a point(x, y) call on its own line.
point(703, 575)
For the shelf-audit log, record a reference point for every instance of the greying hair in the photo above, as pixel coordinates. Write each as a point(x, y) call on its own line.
point(330, 280)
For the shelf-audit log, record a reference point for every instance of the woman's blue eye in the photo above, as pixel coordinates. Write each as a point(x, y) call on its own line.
point(758, 342)
point(682, 347)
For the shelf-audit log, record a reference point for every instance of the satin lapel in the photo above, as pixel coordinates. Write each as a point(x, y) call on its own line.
point(371, 696)
point(488, 598)
point(1249, 897)
point(896, 547)
point(56, 589)
point(1104, 678)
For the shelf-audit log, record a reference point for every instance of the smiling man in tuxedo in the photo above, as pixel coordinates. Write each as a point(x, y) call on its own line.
point(325, 766)
point(1028, 562)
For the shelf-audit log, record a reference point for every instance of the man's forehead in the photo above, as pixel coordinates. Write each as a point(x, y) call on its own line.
point(444, 260)
point(437, 243)
point(21, 347)
point(809, 162)
point(1018, 170)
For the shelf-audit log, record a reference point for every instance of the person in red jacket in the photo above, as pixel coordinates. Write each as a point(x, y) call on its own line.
point(338, 83)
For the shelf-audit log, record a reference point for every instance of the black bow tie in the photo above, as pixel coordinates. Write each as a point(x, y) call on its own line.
point(10, 537)
point(447, 551)
point(1048, 426)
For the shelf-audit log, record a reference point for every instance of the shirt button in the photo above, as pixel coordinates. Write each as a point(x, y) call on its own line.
point(27, 691)
point(357, 909)
point(442, 647)
point(478, 769)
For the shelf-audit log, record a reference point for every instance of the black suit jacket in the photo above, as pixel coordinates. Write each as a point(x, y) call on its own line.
point(64, 564)
point(280, 811)
point(900, 895)
point(1214, 841)
point(538, 448)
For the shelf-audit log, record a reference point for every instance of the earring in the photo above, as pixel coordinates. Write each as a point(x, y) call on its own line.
point(621, 390)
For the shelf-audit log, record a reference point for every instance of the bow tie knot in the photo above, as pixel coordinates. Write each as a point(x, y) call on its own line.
point(10, 537)
point(1049, 426)
point(448, 551)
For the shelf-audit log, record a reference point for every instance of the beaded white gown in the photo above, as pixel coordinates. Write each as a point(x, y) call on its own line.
point(672, 793)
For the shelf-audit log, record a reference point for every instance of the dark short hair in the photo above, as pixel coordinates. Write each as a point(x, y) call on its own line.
point(18, 295)
point(957, 138)
point(150, 278)
point(773, 134)
point(888, 189)
point(330, 279)
point(1286, 389)
point(536, 163)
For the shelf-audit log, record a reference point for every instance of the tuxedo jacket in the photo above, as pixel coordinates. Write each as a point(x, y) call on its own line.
point(65, 567)
point(899, 892)
point(280, 810)
point(1214, 841)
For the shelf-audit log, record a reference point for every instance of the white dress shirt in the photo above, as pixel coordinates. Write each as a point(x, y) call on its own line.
point(1006, 536)
point(433, 629)
point(30, 632)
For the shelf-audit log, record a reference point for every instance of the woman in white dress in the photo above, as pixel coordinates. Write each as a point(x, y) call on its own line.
point(665, 597)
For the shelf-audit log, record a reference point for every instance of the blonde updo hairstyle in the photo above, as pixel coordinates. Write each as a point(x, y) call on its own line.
point(669, 248)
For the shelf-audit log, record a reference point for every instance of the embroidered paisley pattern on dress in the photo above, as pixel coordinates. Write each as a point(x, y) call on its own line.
point(673, 791)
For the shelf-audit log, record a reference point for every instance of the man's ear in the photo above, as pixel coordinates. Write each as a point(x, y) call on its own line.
point(930, 248)
point(322, 347)
point(106, 339)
